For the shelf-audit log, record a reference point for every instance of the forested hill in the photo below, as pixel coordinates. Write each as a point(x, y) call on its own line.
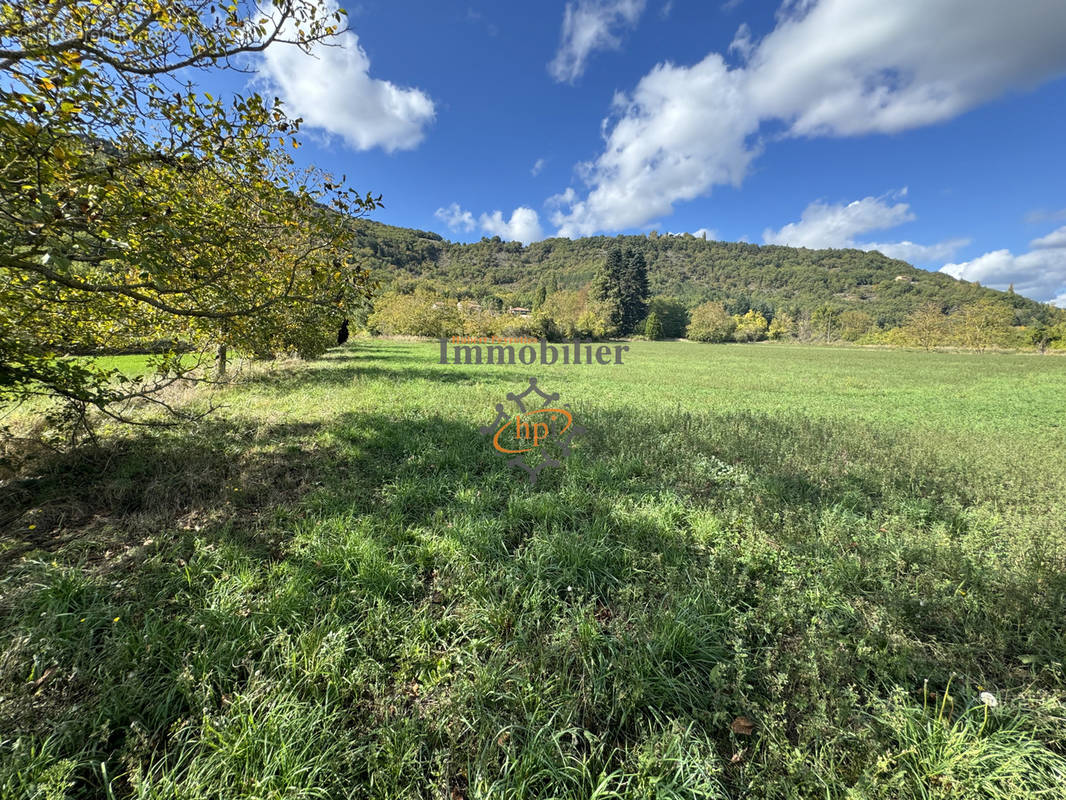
point(690, 269)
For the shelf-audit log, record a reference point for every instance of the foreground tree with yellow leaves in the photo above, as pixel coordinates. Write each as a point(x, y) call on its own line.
point(135, 209)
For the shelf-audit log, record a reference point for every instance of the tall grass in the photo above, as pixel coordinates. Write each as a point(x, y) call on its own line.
point(336, 588)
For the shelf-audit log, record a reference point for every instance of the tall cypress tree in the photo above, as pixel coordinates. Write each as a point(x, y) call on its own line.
point(633, 290)
point(606, 286)
point(608, 279)
point(622, 282)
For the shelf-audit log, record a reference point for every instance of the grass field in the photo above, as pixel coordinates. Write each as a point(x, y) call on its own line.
point(765, 571)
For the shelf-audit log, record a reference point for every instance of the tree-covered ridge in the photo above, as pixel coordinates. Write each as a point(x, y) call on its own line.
point(741, 276)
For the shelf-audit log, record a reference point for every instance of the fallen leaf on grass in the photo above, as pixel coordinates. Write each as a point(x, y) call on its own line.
point(742, 726)
point(41, 681)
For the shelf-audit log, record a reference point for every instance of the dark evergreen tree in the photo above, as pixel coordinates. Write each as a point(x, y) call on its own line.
point(633, 290)
point(606, 287)
point(622, 282)
point(672, 314)
point(608, 278)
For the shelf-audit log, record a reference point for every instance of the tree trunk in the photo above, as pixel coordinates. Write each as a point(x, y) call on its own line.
point(222, 361)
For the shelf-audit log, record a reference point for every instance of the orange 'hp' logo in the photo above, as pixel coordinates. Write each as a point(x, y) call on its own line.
point(533, 430)
point(536, 431)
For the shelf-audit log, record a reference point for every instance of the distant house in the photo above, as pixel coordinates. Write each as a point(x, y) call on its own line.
point(906, 278)
point(518, 310)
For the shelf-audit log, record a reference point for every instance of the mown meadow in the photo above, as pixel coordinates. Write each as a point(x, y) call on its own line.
point(764, 571)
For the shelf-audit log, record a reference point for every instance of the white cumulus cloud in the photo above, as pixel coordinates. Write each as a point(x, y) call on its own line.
point(538, 165)
point(1054, 239)
point(455, 217)
point(682, 130)
point(839, 224)
point(828, 68)
point(523, 226)
point(847, 67)
point(1039, 273)
point(332, 90)
point(590, 25)
point(836, 225)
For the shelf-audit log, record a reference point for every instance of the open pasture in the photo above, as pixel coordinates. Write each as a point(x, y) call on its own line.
point(764, 571)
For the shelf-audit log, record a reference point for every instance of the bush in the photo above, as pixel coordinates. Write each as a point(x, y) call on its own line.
point(710, 322)
point(479, 323)
point(574, 314)
point(855, 324)
point(985, 323)
point(782, 326)
point(751, 327)
point(415, 315)
point(672, 315)
point(653, 328)
point(564, 308)
point(543, 326)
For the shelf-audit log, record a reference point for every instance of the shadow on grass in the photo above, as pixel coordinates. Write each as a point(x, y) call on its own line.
point(363, 362)
point(679, 571)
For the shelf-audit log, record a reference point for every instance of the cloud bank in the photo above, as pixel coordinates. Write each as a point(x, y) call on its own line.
point(1039, 273)
point(839, 225)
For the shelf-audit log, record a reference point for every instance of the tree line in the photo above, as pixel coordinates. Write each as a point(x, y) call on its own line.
point(617, 302)
point(686, 268)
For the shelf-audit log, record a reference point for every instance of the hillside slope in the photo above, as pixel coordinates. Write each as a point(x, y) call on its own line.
point(690, 269)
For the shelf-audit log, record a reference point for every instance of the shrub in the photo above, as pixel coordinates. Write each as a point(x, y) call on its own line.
point(653, 328)
point(985, 323)
point(782, 326)
point(855, 324)
point(710, 322)
point(672, 315)
point(415, 315)
point(751, 327)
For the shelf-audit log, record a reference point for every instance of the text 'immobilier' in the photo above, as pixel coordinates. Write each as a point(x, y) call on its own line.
point(523, 350)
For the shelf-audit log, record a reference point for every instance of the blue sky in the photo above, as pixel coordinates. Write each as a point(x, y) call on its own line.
point(931, 130)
